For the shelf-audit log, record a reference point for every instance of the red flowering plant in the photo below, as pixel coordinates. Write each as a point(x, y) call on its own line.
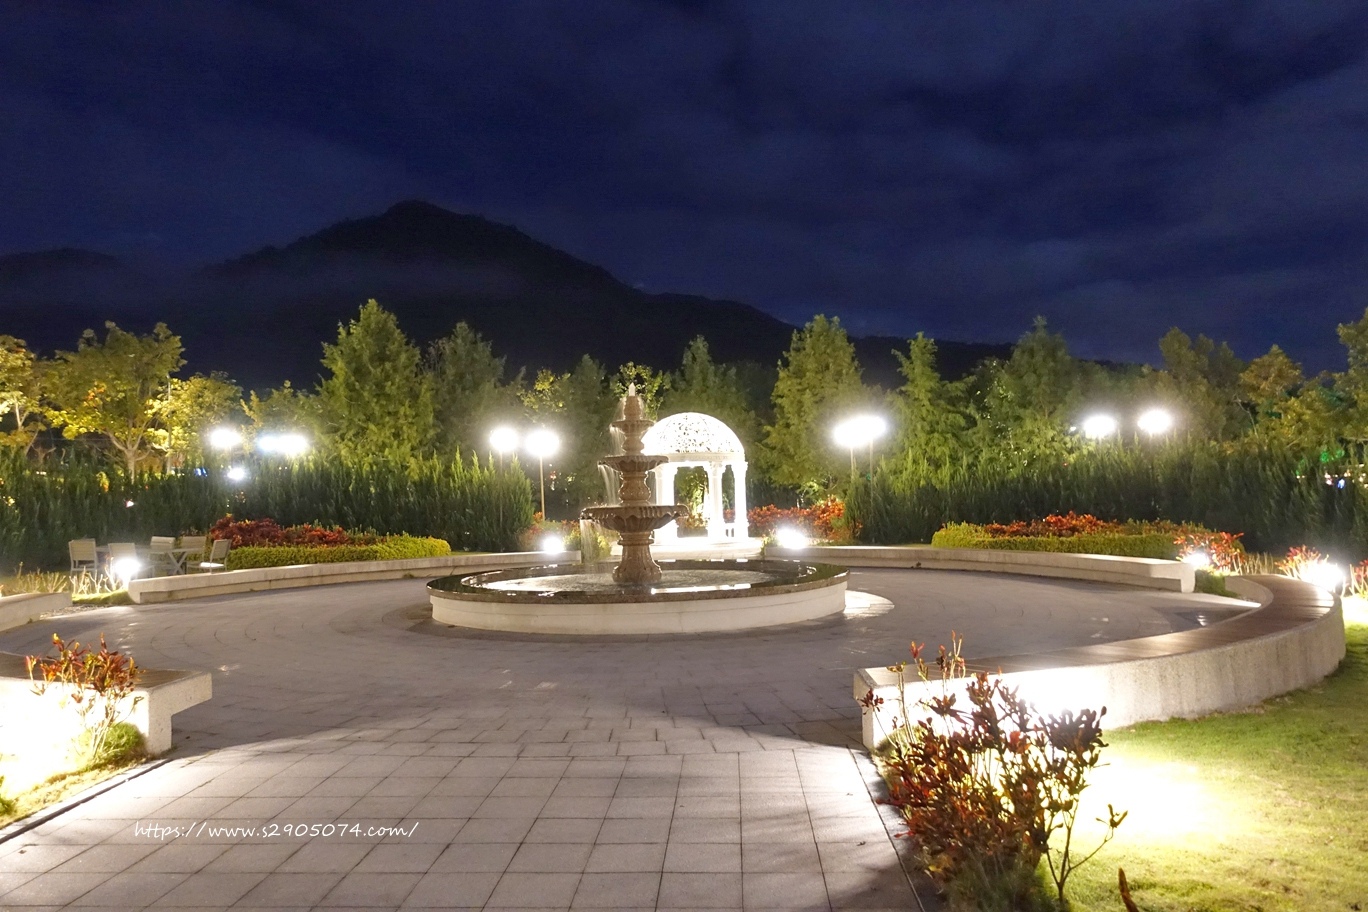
point(824, 521)
point(267, 531)
point(1053, 526)
point(1223, 550)
point(985, 781)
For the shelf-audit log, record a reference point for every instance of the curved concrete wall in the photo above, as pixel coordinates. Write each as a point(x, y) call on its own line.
point(18, 610)
point(1292, 640)
point(197, 585)
point(1098, 568)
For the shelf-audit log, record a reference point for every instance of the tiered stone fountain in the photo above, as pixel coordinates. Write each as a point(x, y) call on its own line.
point(638, 595)
point(635, 518)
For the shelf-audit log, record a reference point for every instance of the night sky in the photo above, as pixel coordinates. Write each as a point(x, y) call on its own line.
point(954, 167)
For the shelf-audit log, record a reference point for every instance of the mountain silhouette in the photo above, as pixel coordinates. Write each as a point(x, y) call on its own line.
point(264, 316)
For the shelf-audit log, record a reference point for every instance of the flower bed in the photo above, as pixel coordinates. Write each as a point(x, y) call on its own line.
point(1072, 533)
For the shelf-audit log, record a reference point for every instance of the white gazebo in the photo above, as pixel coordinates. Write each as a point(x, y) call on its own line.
point(695, 439)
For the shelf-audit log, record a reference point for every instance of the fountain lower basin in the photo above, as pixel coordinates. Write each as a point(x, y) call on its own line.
point(693, 596)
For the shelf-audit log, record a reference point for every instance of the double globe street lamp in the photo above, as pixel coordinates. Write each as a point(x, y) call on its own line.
point(542, 443)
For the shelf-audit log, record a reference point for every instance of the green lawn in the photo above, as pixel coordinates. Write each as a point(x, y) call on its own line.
point(1260, 810)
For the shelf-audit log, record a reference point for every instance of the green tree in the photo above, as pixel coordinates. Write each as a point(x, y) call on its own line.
point(376, 403)
point(469, 394)
point(1352, 385)
point(702, 385)
point(930, 415)
point(191, 409)
point(1287, 408)
point(19, 394)
point(114, 388)
point(650, 383)
point(1026, 404)
point(1203, 380)
point(579, 406)
point(284, 409)
point(818, 381)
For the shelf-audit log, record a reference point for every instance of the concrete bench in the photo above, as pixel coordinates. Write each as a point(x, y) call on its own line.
point(27, 718)
point(18, 610)
point(1149, 573)
point(1292, 637)
point(197, 585)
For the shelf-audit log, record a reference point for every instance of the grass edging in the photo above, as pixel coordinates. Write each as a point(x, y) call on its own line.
point(42, 815)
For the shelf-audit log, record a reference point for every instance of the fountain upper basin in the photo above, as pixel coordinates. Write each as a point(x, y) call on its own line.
point(693, 596)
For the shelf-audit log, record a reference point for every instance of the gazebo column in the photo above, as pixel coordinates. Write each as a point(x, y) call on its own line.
point(717, 521)
point(665, 482)
point(741, 526)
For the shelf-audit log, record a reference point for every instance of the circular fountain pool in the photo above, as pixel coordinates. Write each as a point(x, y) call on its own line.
point(692, 596)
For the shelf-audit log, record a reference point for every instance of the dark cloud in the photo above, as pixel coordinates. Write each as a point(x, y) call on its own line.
point(948, 167)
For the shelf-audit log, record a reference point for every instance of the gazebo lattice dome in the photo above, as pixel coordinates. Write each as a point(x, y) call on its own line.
point(692, 434)
point(695, 439)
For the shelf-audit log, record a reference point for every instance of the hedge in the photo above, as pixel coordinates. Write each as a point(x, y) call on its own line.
point(398, 547)
point(1140, 544)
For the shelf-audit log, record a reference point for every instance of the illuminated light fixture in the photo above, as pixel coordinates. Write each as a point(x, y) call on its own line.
point(552, 544)
point(790, 538)
point(129, 504)
point(1096, 427)
point(287, 444)
point(125, 569)
point(225, 438)
point(1325, 575)
point(503, 440)
point(1199, 559)
point(1155, 421)
point(859, 431)
point(542, 443)
point(236, 473)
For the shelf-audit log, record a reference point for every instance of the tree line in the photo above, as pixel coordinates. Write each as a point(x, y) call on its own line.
point(382, 398)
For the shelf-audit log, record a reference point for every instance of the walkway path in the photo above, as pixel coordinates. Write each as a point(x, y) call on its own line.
point(718, 771)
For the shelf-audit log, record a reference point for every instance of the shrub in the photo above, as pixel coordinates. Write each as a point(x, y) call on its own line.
point(267, 531)
point(824, 521)
point(1086, 534)
point(1153, 544)
point(985, 787)
point(1276, 496)
point(1223, 550)
point(397, 547)
point(533, 536)
point(98, 684)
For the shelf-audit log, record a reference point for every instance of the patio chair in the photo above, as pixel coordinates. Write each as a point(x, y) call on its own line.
point(160, 560)
point(124, 562)
point(218, 557)
point(193, 545)
point(85, 564)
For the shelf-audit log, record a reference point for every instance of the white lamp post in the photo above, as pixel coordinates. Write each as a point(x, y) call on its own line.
point(503, 440)
point(859, 431)
point(1155, 421)
point(542, 443)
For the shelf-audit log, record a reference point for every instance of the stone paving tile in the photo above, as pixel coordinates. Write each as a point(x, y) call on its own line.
point(617, 890)
point(370, 890)
point(522, 890)
point(211, 889)
point(437, 890)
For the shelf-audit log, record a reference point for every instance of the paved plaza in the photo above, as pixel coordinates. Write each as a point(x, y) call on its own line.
point(520, 772)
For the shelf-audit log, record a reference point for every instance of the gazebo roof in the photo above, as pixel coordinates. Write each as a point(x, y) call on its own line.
point(692, 433)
